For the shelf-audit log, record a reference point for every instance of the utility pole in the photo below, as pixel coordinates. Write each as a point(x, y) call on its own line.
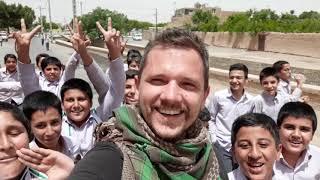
point(41, 20)
point(156, 21)
point(81, 7)
point(49, 6)
point(74, 10)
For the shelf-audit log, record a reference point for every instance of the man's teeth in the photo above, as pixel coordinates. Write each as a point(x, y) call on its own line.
point(170, 111)
point(256, 164)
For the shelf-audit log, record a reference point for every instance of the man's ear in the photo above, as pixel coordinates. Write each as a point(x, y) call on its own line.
point(137, 81)
point(206, 94)
point(279, 148)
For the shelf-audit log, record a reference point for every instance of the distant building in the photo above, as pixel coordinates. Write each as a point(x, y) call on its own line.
point(183, 16)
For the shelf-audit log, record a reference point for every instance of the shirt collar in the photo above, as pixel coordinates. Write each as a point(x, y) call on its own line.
point(284, 83)
point(304, 158)
point(243, 97)
point(91, 119)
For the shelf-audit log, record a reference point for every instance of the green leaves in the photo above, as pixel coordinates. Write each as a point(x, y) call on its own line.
point(11, 14)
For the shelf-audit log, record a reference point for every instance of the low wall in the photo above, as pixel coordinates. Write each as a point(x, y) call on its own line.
point(231, 40)
point(305, 44)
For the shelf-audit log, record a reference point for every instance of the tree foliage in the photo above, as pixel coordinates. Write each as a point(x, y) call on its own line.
point(119, 22)
point(204, 21)
point(254, 21)
point(12, 13)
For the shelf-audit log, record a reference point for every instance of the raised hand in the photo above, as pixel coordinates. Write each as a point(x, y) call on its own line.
point(80, 42)
point(23, 40)
point(53, 163)
point(112, 39)
point(78, 39)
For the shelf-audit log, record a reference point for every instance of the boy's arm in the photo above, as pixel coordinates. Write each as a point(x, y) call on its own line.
point(213, 109)
point(115, 94)
point(27, 74)
point(71, 66)
point(28, 78)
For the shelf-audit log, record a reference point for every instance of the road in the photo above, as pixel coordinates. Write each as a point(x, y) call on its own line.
point(63, 53)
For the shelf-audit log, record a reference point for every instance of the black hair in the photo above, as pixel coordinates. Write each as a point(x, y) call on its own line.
point(39, 56)
point(18, 115)
point(40, 101)
point(266, 72)
point(255, 120)
point(7, 56)
point(278, 65)
point(297, 110)
point(51, 61)
point(179, 38)
point(240, 67)
point(131, 73)
point(133, 55)
point(76, 83)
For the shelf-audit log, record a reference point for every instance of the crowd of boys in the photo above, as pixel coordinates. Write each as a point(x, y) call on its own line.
point(152, 121)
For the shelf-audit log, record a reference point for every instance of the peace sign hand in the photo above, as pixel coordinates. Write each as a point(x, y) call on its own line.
point(78, 39)
point(23, 40)
point(112, 39)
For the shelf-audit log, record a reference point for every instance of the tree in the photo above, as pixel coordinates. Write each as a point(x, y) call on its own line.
point(12, 13)
point(310, 15)
point(119, 22)
point(205, 21)
point(237, 23)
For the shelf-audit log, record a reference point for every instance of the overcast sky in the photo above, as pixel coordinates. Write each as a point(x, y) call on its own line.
point(145, 9)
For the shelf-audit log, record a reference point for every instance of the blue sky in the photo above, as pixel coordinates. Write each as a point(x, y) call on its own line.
point(145, 9)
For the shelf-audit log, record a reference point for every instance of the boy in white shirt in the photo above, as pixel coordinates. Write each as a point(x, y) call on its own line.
point(225, 106)
point(255, 146)
point(269, 101)
point(283, 70)
point(10, 87)
point(297, 123)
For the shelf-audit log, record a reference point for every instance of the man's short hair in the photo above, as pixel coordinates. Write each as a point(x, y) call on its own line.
point(41, 55)
point(266, 72)
point(18, 115)
point(133, 55)
point(40, 101)
point(131, 73)
point(78, 84)
point(7, 56)
point(278, 65)
point(179, 38)
point(51, 61)
point(255, 120)
point(297, 110)
point(240, 67)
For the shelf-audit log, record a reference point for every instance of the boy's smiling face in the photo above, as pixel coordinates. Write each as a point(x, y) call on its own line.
point(270, 85)
point(295, 134)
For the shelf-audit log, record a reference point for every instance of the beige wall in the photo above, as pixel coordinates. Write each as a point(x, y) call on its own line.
point(306, 44)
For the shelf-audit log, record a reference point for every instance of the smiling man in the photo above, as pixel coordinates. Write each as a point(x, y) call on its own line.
point(225, 106)
point(162, 138)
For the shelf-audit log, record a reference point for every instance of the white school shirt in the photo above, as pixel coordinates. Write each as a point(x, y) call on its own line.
point(81, 137)
point(269, 105)
point(31, 82)
point(10, 87)
point(285, 88)
point(237, 174)
point(224, 109)
point(68, 147)
point(307, 167)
